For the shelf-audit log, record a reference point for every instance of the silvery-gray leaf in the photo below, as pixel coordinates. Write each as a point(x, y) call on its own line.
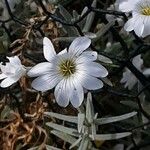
point(72, 119)
point(84, 11)
point(82, 22)
point(89, 19)
point(104, 59)
point(67, 16)
point(93, 128)
point(64, 136)
point(90, 35)
point(107, 81)
point(81, 118)
point(114, 119)
point(75, 15)
point(89, 108)
point(71, 31)
point(48, 147)
point(114, 136)
point(67, 130)
point(84, 143)
point(103, 30)
point(75, 143)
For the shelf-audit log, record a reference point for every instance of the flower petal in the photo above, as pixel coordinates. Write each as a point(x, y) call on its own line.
point(40, 69)
point(147, 72)
point(61, 93)
point(8, 82)
point(129, 25)
point(126, 5)
point(63, 51)
point(46, 82)
point(14, 60)
point(139, 25)
point(79, 45)
point(93, 69)
point(77, 95)
point(48, 49)
point(87, 56)
point(91, 83)
point(146, 30)
point(2, 76)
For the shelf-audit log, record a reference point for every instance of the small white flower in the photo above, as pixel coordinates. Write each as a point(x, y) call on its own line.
point(11, 72)
point(70, 71)
point(129, 78)
point(140, 20)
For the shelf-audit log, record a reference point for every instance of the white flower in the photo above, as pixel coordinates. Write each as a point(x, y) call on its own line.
point(70, 71)
point(11, 72)
point(140, 20)
point(129, 78)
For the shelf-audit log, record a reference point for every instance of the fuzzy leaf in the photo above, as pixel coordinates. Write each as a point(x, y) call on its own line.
point(67, 130)
point(114, 119)
point(72, 119)
point(110, 136)
point(75, 143)
point(81, 118)
point(89, 108)
point(89, 19)
point(84, 143)
point(48, 147)
point(64, 136)
point(104, 59)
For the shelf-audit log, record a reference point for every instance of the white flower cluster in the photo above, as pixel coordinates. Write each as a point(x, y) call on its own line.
point(140, 19)
point(70, 71)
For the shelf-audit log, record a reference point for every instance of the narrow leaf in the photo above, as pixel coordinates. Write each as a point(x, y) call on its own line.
point(72, 119)
point(67, 130)
point(114, 119)
point(111, 136)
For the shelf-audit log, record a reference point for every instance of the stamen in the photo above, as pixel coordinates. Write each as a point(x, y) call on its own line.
point(67, 68)
point(146, 11)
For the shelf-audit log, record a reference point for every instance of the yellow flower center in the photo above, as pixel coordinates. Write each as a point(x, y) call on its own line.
point(67, 68)
point(146, 11)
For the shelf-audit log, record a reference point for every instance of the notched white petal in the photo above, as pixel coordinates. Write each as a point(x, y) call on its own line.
point(79, 45)
point(2, 76)
point(61, 94)
point(40, 69)
point(48, 49)
point(8, 82)
point(45, 82)
point(77, 94)
point(91, 83)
